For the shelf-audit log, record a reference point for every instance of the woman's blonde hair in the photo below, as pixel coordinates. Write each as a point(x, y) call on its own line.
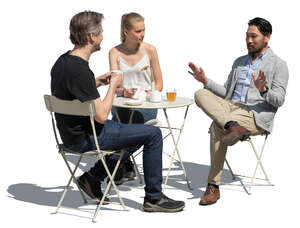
point(126, 22)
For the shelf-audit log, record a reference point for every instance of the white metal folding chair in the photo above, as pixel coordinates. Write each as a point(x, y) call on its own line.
point(258, 164)
point(75, 107)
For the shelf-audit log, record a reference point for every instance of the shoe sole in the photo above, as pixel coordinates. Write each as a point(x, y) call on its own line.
point(155, 208)
point(207, 204)
point(89, 193)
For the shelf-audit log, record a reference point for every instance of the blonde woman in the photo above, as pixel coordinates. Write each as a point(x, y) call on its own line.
point(131, 57)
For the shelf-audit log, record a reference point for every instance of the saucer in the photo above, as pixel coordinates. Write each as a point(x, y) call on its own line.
point(133, 102)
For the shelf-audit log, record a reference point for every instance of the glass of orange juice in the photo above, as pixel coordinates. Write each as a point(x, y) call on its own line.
point(171, 94)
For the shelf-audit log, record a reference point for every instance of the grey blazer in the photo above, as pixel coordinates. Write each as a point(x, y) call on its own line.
point(263, 108)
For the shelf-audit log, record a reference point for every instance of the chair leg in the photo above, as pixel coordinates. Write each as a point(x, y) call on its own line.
point(234, 177)
point(232, 174)
point(69, 182)
point(111, 182)
point(259, 163)
point(73, 175)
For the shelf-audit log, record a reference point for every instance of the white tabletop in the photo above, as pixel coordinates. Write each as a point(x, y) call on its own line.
point(179, 102)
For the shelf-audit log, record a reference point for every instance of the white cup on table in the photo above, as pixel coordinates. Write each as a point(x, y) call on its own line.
point(155, 96)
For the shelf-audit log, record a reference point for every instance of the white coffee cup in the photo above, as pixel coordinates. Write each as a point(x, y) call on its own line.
point(155, 96)
point(139, 94)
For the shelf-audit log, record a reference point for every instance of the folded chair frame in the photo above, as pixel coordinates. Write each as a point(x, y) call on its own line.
point(75, 107)
point(258, 156)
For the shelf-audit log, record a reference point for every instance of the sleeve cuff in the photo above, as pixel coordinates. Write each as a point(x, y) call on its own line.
point(206, 86)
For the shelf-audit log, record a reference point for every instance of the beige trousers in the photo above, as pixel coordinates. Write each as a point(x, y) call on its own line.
point(221, 111)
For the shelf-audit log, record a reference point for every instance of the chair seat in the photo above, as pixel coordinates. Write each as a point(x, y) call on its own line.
point(90, 153)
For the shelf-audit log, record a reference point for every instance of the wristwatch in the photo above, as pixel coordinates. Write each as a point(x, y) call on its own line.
point(264, 92)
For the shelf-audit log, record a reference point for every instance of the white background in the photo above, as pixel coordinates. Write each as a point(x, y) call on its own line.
point(210, 33)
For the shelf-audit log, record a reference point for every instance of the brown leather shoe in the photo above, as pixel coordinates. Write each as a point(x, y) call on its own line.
point(236, 133)
point(211, 195)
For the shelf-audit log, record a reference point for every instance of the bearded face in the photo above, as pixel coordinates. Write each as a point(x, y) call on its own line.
point(256, 41)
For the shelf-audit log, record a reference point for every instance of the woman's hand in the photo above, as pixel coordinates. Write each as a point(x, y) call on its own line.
point(128, 93)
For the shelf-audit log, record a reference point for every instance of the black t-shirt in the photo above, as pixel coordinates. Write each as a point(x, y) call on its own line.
point(71, 78)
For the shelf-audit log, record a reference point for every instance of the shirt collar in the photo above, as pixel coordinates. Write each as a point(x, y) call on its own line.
point(261, 57)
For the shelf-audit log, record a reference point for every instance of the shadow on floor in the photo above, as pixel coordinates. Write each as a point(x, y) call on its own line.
point(49, 196)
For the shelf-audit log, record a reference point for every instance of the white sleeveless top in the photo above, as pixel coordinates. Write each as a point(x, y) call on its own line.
point(133, 77)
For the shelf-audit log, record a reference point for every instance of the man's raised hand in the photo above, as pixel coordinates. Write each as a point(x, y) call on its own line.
point(198, 73)
point(260, 82)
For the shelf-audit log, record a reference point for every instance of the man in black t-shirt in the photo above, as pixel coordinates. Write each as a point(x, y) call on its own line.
point(71, 78)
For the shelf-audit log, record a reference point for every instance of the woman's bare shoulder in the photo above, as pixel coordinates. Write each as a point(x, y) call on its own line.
point(150, 49)
point(115, 50)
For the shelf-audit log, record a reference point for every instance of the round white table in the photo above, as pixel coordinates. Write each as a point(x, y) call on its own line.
point(164, 104)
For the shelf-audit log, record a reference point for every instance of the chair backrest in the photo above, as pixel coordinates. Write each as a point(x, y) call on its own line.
point(74, 107)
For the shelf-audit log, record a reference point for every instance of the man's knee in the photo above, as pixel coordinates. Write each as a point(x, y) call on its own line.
point(156, 131)
point(200, 96)
point(153, 131)
point(154, 135)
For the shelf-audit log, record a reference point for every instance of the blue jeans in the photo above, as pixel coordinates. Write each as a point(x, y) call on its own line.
point(116, 136)
point(139, 116)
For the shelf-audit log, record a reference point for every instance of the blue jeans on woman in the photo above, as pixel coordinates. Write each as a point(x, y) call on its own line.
point(139, 116)
point(116, 136)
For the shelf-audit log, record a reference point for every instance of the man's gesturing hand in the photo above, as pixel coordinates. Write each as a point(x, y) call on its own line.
point(260, 81)
point(103, 79)
point(198, 73)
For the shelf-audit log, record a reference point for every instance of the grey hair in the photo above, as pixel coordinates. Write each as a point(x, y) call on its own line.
point(83, 24)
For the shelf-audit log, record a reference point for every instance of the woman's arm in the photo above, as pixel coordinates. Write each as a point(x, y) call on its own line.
point(113, 65)
point(154, 63)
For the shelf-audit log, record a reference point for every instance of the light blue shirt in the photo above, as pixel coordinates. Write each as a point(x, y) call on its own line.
point(244, 79)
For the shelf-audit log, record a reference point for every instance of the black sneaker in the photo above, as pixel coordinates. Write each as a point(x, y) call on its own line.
point(164, 204)
point(130, 175)
point(92, 188)
point(129, 170)
point(123, 175)
point(119, 177)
